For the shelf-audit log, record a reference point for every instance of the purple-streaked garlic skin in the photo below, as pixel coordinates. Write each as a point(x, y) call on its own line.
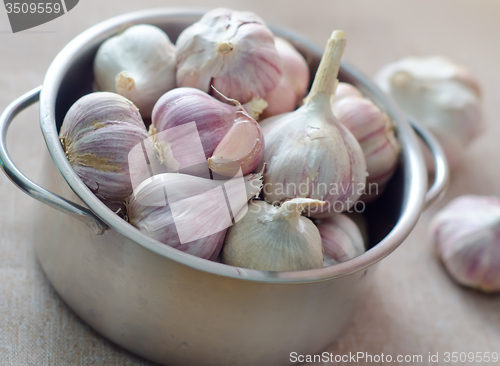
point(243, 144)
point(309, 153)
point(374, 131)
point(97, 134)
point(294, 81)
point(342, 240)
point(467, 236)
point(149, 210)
point(232, 50)
point(184, 105)
point(346, 90)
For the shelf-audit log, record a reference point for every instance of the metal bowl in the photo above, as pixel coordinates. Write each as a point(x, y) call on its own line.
point(169, 306)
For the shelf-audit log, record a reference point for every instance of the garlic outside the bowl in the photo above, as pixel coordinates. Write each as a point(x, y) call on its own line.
point(271, 238)
point(191, 213)
point(467, 235)
point(232, 50)
point(341, 238)
point(309, 153)
point(294, 81)
point(97, 135)
point(375, 133)
point(139, 64)
point(442, 95)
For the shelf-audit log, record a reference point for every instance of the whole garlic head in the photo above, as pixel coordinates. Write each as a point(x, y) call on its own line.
point(342, 240)
point(138, 64)
point(467, 235)
point(232, 50)
point(440, 94)
point(271, 238)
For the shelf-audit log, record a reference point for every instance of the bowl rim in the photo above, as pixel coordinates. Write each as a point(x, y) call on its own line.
point(415, 175)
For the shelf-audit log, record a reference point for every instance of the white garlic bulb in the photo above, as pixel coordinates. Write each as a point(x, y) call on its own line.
point(440, 94)
point(341, 238)
point(467, 235)
point(375, 133)
point(98, 133)
point(309, 153)
point(232, 50)
point(138, 64)
point(294, 81)
point(271, 238)
point(190, 213)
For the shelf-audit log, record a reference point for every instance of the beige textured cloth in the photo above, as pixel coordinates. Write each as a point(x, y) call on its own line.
point(412, 308)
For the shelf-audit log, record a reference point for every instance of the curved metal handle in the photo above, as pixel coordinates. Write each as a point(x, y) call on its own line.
point(25, 184)
point(442, 174)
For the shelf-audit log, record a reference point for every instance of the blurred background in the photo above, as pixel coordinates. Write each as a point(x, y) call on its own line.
point(412, 307)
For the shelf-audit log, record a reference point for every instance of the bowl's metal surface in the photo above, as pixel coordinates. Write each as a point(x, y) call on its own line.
point(169, 306)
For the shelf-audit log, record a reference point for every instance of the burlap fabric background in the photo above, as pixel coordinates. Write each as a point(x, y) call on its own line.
point(413, 308)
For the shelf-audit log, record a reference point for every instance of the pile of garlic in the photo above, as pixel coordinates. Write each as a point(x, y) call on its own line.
point(208, 178)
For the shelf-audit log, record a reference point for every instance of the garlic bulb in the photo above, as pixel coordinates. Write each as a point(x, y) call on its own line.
point(309, 152)
point(374, 131)
point(272, 238)
point(190, 213)
point(342, 240)
point(443, 96)
point(98, 133)
point(138, 64)
point(232, 50)
point(467, 235)
point(242, 147)
point(294, 81)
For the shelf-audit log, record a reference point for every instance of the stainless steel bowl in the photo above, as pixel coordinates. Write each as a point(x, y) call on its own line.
point(174, 308)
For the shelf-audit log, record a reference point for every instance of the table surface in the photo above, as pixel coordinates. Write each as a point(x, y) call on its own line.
point(412, 307)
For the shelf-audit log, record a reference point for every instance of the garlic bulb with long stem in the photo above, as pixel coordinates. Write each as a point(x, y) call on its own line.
point(309, 152)
point(98, 133)
point(232, 50)
point(191, 213)
point(271, 238)
point(294, 81)
point(341, 238)
point(138, 64)
point(440, 94)
point(467, 235)
point(375, 133)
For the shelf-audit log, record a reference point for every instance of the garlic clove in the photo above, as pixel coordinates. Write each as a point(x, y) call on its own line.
point(309, 152)
point(138, 64)
point(341, 238)
point(233, 51)
point(243, 144)
point(294, 80)
point(467, 236)
point(181, 106)
point(97, 134)
point(271, 238)
point(440, 94)
point(375, 133)
point(190, 213)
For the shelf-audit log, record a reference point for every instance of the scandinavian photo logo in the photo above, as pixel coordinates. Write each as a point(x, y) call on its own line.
point(26, 14)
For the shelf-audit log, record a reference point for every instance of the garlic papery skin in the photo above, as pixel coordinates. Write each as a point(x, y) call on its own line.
point(341, 238)
point(346, 90)
point(191, 213)
point(180, 106)
point(309, 153)
point(97, 135)
point(467, 235)
point(294, 81)
point(271, 238)
point(440, 94)
point(138, 64)
point(232, 50)
point(375, 133)
point(242, 147)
